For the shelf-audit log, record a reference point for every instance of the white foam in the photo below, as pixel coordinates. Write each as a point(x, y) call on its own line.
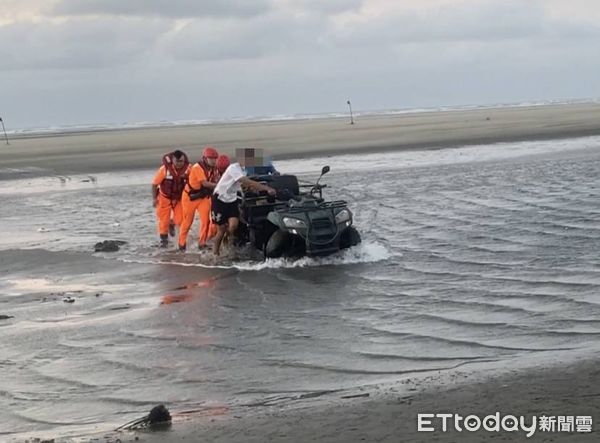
point(363, 253)
point(44, 285)
point(366, 252)
point(438, 157)
point(339, 163)
point(76, 182)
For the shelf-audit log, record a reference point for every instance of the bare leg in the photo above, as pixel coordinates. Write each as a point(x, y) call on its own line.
point(221, 229)
point(232, 225)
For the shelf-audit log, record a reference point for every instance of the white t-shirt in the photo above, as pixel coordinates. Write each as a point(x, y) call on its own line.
point(229, 184)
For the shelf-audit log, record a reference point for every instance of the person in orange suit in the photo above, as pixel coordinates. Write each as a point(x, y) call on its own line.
point(202, 180)
point(167, 188)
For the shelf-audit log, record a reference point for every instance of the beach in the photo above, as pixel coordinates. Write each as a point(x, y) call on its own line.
point(475, 289)
point(390, 414)
point(101, 151)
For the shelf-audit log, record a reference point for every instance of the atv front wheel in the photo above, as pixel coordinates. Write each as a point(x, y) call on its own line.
point(350, 237)
point(277, 244)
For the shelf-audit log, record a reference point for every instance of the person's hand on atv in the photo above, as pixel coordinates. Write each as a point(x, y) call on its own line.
point(257, 187)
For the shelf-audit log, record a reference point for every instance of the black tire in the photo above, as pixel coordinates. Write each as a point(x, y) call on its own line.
point(241, 236)
point(260, 235)
point(350, 237)
point(277, 244)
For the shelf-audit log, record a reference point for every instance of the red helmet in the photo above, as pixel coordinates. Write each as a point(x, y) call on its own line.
point(210, 152)
point(222, 163)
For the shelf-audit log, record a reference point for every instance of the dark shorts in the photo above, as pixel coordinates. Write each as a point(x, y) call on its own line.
point(221, 212)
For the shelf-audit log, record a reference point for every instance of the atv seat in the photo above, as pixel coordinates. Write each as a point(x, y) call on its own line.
point(287, 188)
point(255, 207)
point(287, 183)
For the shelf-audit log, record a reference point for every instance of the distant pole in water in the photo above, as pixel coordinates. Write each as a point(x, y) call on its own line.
point(4, 129)
point(351, 116)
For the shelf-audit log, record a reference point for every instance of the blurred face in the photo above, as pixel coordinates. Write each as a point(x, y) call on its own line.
point(211, 161)
point(179, 163)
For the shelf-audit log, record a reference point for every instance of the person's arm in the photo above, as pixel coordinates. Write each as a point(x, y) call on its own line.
point(154, 195)
point(158, 179)
point(198, 180)
point(195, 177)
point(208, 185)
point(256, 186)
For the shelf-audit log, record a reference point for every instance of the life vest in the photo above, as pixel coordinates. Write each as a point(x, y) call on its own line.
point(211, 174)
point(175, 180)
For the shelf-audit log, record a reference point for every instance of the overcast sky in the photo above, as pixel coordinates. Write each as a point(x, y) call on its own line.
point(112, 61)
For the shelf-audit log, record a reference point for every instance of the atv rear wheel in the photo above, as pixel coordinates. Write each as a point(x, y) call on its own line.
point(350, 237)
point(277, 244)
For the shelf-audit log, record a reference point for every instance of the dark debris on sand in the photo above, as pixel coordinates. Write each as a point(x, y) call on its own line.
point(158, 418)
point(109, 245)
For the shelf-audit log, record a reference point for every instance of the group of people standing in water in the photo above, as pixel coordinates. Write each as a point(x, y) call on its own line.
point(209, 188)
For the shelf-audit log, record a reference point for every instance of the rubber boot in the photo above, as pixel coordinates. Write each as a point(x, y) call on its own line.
point(164, 240)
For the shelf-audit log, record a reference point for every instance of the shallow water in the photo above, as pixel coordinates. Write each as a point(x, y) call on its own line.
point(481, 254)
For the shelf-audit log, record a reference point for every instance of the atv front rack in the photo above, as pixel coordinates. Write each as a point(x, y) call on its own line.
point(324, 205)
point(334, 204)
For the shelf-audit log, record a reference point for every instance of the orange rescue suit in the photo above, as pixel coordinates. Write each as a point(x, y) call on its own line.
point(168, 207)
point(198, 174)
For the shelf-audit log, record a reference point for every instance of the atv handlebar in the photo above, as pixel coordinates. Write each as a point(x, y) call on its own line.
point(284, 194)
point(313, 186)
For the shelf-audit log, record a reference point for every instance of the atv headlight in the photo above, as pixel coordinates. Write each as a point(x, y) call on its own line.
point(343, 216)
point(293, 223)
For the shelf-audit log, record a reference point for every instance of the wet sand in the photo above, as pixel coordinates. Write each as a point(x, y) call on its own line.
point(102, 151)
point(389, 414)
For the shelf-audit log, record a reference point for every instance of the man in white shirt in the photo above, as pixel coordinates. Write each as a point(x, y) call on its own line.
point(224, 209)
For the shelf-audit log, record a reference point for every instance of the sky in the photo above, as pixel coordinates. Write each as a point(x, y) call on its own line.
point(69, 62)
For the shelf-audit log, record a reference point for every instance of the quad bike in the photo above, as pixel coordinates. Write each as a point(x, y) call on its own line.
point(297, 222)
